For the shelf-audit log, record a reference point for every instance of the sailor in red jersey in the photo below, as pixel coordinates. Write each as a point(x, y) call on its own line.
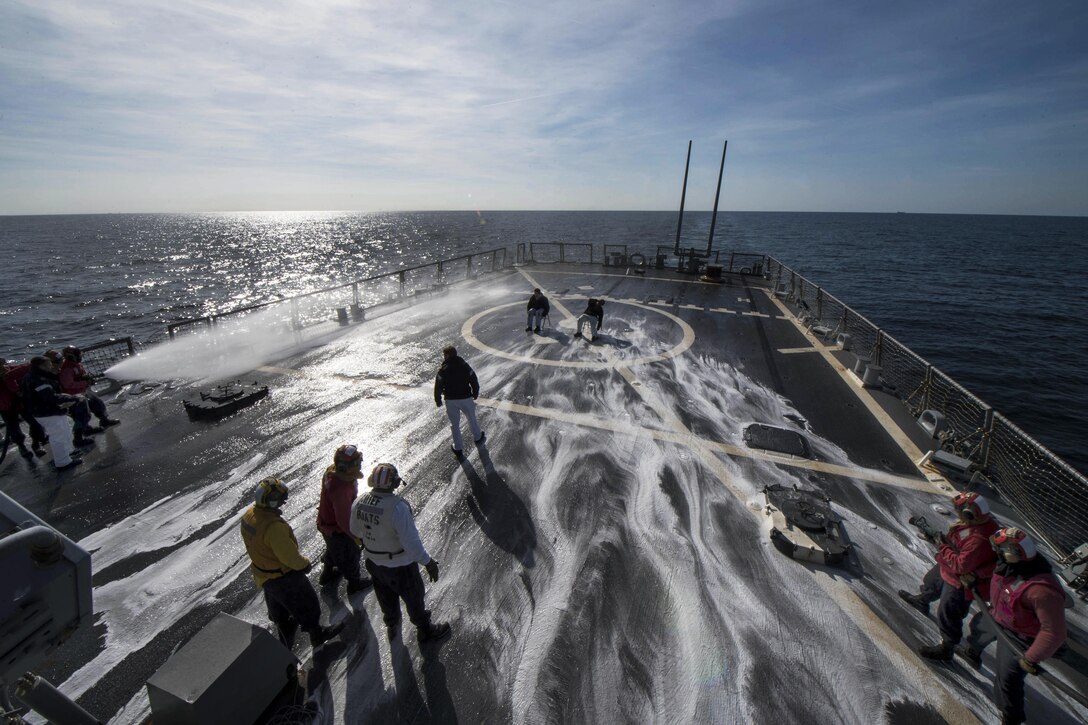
point(339, 489)
point(12, 408)
point(965, 552)
point(1028, 603)
point(75, 380)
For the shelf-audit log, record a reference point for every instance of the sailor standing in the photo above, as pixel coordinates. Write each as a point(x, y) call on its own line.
point(279, 569)
point(339, 488)
point(964, 553)
point(394, 552)
point(1028, 603)
point(456, 381)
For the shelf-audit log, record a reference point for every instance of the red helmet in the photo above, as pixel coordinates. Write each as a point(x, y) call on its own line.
point(347, 458)
point(1014, 544)
point(971, 506)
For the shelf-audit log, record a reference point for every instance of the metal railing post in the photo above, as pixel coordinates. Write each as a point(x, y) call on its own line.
point(296, 323)
point(562, 252)
point(355, 293)
point(819, 304)
point(878, 347)
point(440, 271)
point(987, 435)
point(403, 285)
point(927, 396)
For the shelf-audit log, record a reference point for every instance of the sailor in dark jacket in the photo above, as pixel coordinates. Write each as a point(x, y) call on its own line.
point(594, 314)
point(537, 309)
point(50, 407)
point(456, 381)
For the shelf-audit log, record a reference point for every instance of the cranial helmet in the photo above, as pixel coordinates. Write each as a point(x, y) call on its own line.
point(1014, 544)
point(971, 506)
point(54, 356)
point(384, 477)
point(73, 353)
point(270, 493)
point(347, 458)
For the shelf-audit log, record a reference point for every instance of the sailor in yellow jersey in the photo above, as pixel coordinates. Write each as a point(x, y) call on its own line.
point(279, 569)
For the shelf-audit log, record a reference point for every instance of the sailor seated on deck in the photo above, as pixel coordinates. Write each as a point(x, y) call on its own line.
point(537, 309)
point(594, 314)
point(964, 553)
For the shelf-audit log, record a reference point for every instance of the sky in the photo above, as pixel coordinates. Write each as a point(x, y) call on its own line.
point(955, 106)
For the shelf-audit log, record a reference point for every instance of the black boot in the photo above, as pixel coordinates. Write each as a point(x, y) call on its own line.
point(459, 455)
point(38, 450)
point(25, 452)
point(915, 601)
point(942, 651)
point(392, 630)
point(433, 632)
point(328, 575)
point(321, 635)
point(972, 656)
point(107, 422)
point(359, 585)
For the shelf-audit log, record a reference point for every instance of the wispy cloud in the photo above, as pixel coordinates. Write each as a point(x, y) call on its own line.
point(418, 105)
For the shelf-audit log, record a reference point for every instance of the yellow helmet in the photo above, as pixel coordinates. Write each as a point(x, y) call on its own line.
point(270, 493)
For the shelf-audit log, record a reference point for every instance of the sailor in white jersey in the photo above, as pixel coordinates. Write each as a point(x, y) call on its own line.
point(393, 550)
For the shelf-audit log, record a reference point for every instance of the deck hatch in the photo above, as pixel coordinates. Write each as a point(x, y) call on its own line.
point(779, 440)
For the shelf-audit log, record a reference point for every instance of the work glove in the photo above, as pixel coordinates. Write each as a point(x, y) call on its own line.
point(1027, 666)
point(969, 580)
point(432, 570)
point(309, 567)
point(438, 403)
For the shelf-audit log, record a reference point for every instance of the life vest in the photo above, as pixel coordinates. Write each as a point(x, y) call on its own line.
point(256, 524)
point(1005, 595)
point(969, 537)
point(372, 521)
point(334, 491)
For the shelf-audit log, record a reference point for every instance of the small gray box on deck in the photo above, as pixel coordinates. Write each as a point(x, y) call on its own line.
point(228, 673)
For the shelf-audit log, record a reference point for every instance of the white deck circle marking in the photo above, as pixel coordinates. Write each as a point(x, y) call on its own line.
point(678, 349)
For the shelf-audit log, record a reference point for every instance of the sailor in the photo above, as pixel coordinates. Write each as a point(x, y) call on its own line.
point(537, 309)
point(594, 314)
point(339, 488)
point(80, 412)
point(1028, 604)
point(456, 381)
point(964, 553)
point(12, 409)
point(75, 380)
point(49, 406)
point(279, 570)
point(394, 551)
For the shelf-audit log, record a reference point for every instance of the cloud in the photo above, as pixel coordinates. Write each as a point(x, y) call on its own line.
point(491, 97)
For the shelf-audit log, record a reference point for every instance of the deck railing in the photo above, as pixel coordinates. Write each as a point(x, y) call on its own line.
point(1050, 495)
point(336, 304)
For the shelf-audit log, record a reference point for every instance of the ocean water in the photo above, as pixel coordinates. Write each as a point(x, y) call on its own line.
point(994, 301)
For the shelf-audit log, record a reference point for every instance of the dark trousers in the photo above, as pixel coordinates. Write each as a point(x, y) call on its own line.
point(81, 415)
point(342, 554)
point(291, 597)
point(951, 612)
point(11, 420)
point(96, 405)
point(391, 584)
point(1009, 683)
point(932, 584)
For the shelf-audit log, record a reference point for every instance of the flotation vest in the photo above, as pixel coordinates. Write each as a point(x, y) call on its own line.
point(257, 525)
point(1005, 594)
point(335, 491)
point(372, 521)
point(969, 537)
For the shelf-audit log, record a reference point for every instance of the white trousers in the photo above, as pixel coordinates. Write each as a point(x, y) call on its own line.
point(454, 408)
point(59, 430)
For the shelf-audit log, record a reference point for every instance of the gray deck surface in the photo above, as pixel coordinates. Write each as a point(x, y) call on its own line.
point(604, 556)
